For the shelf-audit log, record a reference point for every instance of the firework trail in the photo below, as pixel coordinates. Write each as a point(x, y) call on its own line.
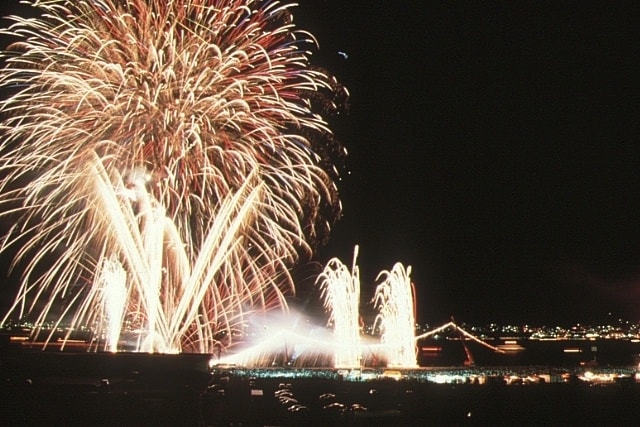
point(185, 140)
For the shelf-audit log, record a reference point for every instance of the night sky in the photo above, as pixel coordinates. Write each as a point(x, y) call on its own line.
point(494, 148)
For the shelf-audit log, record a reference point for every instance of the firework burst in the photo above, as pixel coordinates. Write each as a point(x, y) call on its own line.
point(182, 141)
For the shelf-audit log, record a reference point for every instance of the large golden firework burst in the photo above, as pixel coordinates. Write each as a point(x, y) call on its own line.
point(203, 112)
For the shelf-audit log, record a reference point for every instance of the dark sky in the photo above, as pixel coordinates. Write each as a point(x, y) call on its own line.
point(494, 148)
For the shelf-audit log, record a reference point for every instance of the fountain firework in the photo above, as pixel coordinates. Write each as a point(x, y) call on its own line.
point(394, 298)
point(341, 294)
point(282, 341)
point(112, 281)
point(340, 291)
point(178, 148)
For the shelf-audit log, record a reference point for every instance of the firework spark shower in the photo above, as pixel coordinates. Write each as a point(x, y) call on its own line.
point(341, 295)
point(183, 144)
point(395, 300)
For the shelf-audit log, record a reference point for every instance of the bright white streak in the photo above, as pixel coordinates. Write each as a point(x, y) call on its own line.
point(112, 279)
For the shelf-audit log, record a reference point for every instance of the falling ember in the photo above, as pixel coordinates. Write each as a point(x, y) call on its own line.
point(185, 140)
point(394, 300)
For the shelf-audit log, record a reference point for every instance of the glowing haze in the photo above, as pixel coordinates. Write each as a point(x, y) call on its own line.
point(283, 342)
point(172, 156)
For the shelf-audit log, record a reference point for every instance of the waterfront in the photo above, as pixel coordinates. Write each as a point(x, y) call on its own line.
point(408, 402)
point(104, 389)
point(566, 353)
